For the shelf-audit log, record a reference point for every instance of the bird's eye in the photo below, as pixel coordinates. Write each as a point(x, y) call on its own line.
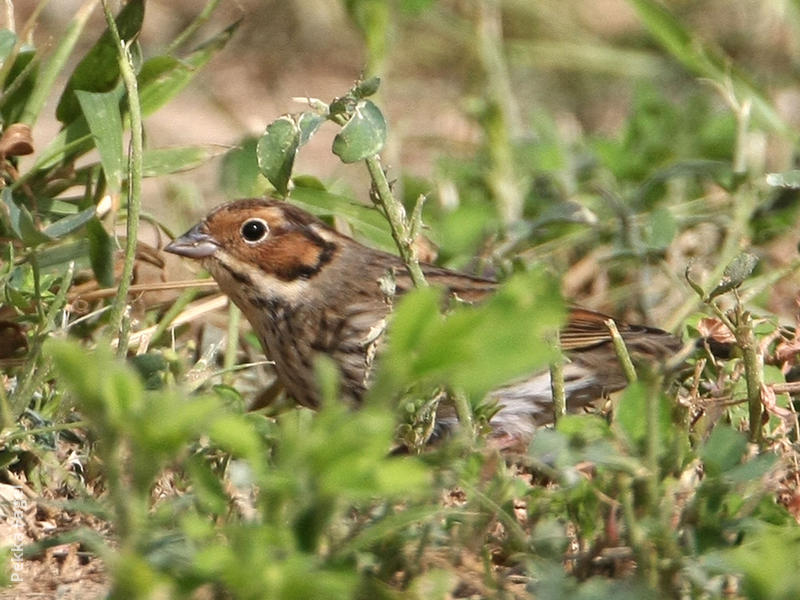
point(254, 230)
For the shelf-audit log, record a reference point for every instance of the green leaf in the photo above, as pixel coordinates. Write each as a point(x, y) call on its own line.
point(72, 141)
point(368, 87)
point(165, 161)
point(21, 222)
point(631, 415)
point(414, 317)
point(363, 135)
point(276, 151)
point(99, 69)
point(474, 348)
point(233, 433)
point(101, 112)
point(163, 77)
point(739, 269)
point(752, 470)
point(7, 40)
point(69, 224)
point(77, 250)
point(309, 123)
point(723, 451)
point(240, 176)
point(365, 220)
point(767, 560)
point(101, 252)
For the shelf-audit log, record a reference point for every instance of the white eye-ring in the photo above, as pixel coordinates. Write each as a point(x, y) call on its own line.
point(254, 230)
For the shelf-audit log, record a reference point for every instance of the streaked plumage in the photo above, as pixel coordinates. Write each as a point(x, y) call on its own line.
point(307, 289)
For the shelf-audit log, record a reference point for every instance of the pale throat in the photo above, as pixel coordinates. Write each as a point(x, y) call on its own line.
point(241, 280)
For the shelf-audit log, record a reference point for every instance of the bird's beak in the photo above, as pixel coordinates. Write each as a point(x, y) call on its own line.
point(195, 243)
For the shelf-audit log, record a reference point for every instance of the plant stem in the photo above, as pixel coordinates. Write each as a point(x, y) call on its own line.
point(134, 182)
point(500, 116)
point(174, 310)
point(557, 385)
point(653, 391)
point(198, 22)
point(464, 412)
point(753, 370)
point(395, 213)
point(35, 372)
point(622, 351)
point(232, 343)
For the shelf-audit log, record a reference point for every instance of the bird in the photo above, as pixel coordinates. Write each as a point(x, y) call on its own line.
point(309, 290)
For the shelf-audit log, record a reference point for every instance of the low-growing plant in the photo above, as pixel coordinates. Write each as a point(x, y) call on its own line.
point(684, 487)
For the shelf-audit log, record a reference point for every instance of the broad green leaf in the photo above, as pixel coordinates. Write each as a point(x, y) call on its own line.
point(98, 71)
point(69, 224)
point(101, 252)
point(165, 161)
point(723, 451)
point(163, 77)
point(240, 176)
point(276, 151)
point(309, 123)
point(474, 348)
point(72, 141)
point(414, 317)
point(233, 433)
point(101, 112)
point(109, 392)
point(77, 250)
point(632, 410)
point(363, 135)
point(753, 469)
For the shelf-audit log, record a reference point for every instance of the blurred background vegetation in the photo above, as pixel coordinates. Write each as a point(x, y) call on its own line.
point(613, 143)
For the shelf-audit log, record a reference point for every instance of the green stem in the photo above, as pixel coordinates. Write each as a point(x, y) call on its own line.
point(653, 392)
point(464, 412)
point(232, 343)
point(174, 310)
point(753, 370)
point(134, 182)
point(35, 372)
point(557, 385)
point(638, 539)
point(198, 22)
point(622, 351)
point(395, 213)
point(500, 117)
